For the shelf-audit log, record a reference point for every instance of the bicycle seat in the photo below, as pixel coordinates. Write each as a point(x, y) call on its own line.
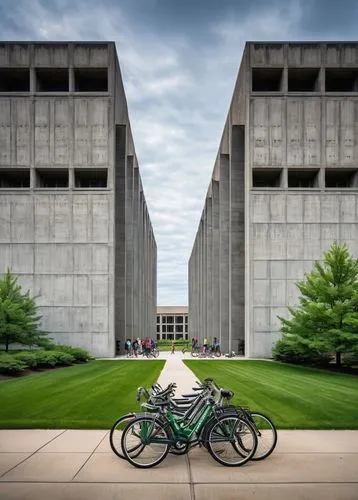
point(226, 394)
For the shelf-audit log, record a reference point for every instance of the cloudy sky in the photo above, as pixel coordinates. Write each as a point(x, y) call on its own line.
point(179, 61)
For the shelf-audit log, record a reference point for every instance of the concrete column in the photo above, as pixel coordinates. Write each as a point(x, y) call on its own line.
point(136, 252)
point(71, 79)
point(140, 245)
point(147, 294)
point(154, 282)
point(190, 290)
point(192, 296)
point(197, 285)
point(144, 272)
point(200, 282)
point(224, 220)
point(149, 282)
point(204, 281)
point(215, 252)
point(120, 246)
point(209, 242)
point(237, 238)
point(195, 290)
point(129, 247)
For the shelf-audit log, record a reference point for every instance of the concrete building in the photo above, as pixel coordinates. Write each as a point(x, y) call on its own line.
point(284, 187)
point(172, 323)
point(74, 224)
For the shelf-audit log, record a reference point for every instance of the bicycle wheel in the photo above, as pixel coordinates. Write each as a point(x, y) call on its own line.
point(136, 436)
point(232, 441)
point(115, 434)
point(266, 435)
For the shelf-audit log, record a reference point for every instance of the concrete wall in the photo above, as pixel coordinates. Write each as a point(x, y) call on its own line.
point(76, 247)
point(59, 246)
point(289, 232)
point(270, 236)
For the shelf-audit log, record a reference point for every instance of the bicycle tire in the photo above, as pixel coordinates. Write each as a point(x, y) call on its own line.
point(136, 460)
point(113, 441)
point(238, 428)
point(262, 423)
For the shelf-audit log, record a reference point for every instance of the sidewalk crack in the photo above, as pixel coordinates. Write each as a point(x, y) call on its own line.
point(191, 483)
point(32, 454)
point(91, 455)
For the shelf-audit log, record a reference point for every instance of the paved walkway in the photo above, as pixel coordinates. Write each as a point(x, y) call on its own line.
point(176, 371)
point(79, 465)
point(58, 464)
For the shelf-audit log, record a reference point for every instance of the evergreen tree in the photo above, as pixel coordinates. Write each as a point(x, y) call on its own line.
point(327, 318)
point(19, 317)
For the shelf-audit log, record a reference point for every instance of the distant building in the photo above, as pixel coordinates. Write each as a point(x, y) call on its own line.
point(172, 323)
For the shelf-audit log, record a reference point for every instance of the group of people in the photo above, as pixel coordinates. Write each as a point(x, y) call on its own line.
point(138, 346)
point(195, 346)
point(214, 346)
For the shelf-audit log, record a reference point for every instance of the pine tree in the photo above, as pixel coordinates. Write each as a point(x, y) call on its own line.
point(327, 318)
point(19, 317)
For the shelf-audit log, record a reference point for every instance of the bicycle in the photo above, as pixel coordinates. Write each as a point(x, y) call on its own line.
point(229, 438)
point(264, 428)
point(195, 351)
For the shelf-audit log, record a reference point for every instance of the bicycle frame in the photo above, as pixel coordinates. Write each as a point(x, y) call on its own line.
point(180, 430)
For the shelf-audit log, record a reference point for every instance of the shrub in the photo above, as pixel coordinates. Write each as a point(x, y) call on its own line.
point(351, 359)
point(29, 358)
point(293, 351)
point(46, 359)
point(79, 355)
point(64, 358)
point(9, 365)
point(49, 359)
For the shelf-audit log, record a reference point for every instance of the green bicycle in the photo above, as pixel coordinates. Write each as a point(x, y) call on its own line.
point(230, 439)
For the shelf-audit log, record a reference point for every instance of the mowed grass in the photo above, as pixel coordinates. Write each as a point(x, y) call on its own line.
point(294, 397)
point(88, 396)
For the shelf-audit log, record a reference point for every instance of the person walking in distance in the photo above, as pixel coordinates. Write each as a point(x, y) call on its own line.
point(173, 347)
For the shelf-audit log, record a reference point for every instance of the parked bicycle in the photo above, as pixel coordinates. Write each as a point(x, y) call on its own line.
point(230, 439)
point(230, 433)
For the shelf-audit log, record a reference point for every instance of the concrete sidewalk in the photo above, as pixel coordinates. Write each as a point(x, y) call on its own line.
point(79, 464)
point(176, 371)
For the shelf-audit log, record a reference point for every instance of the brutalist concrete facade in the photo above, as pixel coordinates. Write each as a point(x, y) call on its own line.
point(284, 187)
point(74, 224)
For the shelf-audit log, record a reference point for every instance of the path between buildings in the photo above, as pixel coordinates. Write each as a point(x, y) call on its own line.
point(176, 371)
point(79, 465)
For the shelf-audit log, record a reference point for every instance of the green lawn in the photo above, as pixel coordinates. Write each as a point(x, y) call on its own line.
point(294, 397)
point(89, 396)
